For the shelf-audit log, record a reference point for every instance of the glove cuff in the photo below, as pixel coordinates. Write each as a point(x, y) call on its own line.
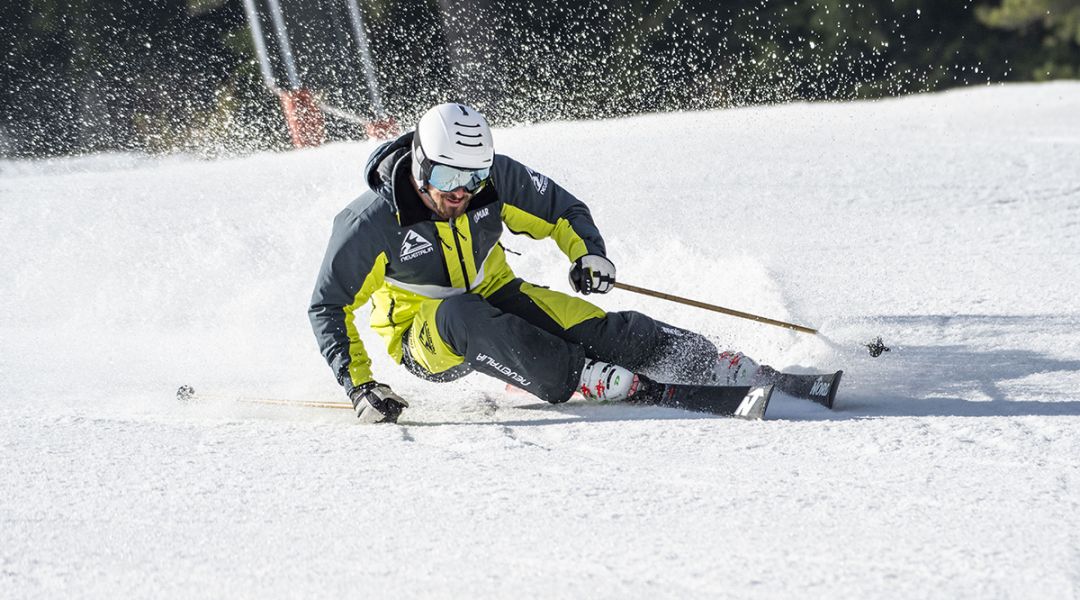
point(358, 392)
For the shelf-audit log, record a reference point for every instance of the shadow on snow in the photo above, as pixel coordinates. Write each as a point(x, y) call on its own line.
point(912, 381)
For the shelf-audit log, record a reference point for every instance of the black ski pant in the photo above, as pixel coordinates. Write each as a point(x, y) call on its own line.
point(538, 340)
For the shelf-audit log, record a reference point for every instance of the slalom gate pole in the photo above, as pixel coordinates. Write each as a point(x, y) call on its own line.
point(714, 308)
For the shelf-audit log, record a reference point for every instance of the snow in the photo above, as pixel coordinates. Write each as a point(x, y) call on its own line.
point(949, 224)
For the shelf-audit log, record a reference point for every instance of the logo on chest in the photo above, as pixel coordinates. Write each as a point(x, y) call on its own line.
point(480, 214)
point(414, 245)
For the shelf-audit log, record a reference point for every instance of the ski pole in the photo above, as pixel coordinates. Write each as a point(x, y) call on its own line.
point(714, 308)
point(297, 403)
point(187, 394)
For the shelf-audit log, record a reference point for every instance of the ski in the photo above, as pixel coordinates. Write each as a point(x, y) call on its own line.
point(742, 402)
point(819, 388)
point(739, 401)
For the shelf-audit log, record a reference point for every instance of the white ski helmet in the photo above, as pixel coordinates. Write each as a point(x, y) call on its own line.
point(454, 135)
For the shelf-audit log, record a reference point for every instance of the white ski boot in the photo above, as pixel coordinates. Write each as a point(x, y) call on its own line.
point(735, 368)
point(607, 382)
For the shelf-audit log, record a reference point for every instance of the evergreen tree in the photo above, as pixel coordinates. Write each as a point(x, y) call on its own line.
point(1055, 23)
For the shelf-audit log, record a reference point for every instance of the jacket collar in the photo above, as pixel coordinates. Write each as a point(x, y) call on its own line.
point(408, 206)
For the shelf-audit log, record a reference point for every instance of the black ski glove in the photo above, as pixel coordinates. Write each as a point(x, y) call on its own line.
point(375, 402)
point(592, 273)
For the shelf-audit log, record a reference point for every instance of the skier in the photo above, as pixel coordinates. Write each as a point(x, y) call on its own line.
point(423, 245)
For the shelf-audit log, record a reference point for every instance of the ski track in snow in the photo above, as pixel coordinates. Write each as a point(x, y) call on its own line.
point(946, 223)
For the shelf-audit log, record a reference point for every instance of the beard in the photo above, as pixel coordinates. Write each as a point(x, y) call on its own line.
point(449, 210)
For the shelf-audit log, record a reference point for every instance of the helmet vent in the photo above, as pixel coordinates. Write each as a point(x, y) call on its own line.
point(454, 135)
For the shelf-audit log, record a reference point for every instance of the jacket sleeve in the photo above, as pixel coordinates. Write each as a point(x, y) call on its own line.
point(351, 271)
point(539, 208)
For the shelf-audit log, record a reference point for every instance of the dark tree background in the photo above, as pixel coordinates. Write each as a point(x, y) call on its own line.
point(166, 75)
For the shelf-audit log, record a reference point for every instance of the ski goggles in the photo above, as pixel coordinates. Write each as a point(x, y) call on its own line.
point(448, 179)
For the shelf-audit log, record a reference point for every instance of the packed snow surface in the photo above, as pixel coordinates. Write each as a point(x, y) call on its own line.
point(948, 224)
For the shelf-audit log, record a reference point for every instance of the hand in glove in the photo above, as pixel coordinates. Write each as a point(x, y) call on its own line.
point(592, 273)
point(377, 403)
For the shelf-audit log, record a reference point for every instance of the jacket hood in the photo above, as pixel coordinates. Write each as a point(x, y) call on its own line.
point(382, 162)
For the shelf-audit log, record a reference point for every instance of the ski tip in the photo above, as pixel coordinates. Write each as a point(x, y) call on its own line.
point(831, 398)
point(755, 403)
point(185, 393)
point(823, 388)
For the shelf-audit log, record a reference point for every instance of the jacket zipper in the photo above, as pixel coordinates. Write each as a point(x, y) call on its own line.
point(460, 255)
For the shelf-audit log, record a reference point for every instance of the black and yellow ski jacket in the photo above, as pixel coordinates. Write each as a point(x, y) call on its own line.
point(388, 247)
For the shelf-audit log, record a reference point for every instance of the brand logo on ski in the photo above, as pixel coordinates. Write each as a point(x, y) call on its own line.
point(820, 388)
point(414, 245)
point(480, 214)
point(540, 181)
point(512, 374)
point(749, 402)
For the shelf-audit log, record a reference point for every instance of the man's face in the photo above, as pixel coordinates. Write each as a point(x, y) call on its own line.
point(447, 205)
